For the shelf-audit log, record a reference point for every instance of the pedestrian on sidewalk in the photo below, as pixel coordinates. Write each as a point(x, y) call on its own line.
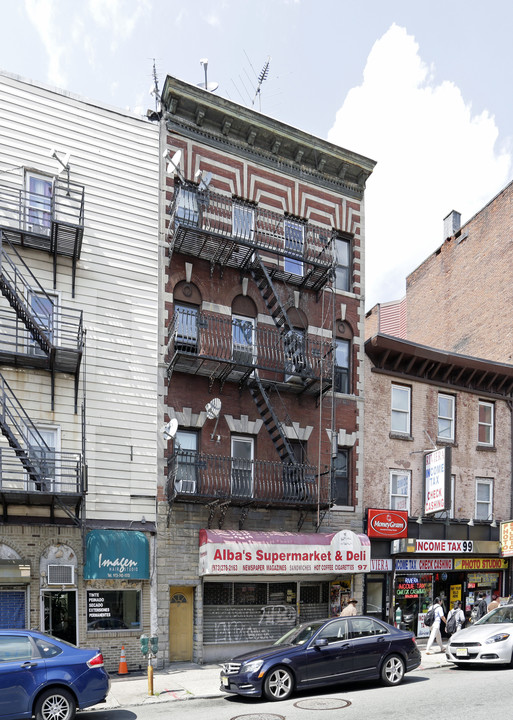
point(435, 627)
point(455, 617)
point(350, 608)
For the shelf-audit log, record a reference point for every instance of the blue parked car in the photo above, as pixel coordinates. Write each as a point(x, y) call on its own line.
point(323, 652)
point(46, 677)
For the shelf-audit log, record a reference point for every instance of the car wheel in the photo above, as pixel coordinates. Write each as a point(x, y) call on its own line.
point(393, 670)
point(55, 704)
point(278, 684)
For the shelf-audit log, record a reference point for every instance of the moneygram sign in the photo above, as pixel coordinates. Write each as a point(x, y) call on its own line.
point(389, 524)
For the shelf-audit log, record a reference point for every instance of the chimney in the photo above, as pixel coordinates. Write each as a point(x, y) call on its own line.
point(452, 223)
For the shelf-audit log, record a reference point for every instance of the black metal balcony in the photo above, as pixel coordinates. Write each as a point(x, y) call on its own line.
point(225, 348)
point(225, 232)
point(202, 478)
point(55, 223)
point(35, 331)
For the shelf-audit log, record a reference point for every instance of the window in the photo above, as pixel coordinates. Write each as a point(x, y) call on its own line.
point(485, 423)
point(400, 421)
point(114, 610)
point(399, 490)
point(294, 349)
point(43, 444)
point(341, 484)
point(186, 328)
point(39, 204)
point(343, 268)
point(186, 449)
point(446, 405)
point(44, 312)
point(294, 242)
point(337, 631)
point(342, 360)
point(242, 467)
point(243, 222)
point(187, 209)
point(243, 340)
point(484, 498)
point(15, 648)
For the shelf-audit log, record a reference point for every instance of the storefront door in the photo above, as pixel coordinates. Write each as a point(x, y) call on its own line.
point(180, 623)
point(59, 614)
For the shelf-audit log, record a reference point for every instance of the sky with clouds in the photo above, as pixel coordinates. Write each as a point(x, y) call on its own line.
point(422, 88)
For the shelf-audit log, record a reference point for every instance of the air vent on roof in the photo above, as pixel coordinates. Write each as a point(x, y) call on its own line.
point(61, 575)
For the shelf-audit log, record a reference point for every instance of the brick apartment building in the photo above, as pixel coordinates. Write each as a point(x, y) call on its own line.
point(418, 399)
point(262, 373)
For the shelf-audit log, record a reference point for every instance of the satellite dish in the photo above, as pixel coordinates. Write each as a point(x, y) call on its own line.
point(169, 430)
point(211, 86)
point(213, 408)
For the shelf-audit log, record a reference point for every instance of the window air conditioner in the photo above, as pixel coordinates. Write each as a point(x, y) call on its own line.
point(61, 575)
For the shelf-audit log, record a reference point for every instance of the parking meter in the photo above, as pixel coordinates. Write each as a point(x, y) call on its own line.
point(144, 644)
point(154, 644)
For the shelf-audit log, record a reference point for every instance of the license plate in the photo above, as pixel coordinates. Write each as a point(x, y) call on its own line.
point(461, 652)
point(225, 680)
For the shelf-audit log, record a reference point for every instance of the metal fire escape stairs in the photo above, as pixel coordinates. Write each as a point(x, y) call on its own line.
point(17, 289)
point(259, 392)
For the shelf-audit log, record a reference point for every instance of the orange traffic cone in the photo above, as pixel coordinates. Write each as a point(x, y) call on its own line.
point(123, 669)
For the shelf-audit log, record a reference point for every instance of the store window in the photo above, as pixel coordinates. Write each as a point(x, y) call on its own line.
point(113, 610)
point(400, 411)
point(446, 417)
point(400, 490)
point(485, 434)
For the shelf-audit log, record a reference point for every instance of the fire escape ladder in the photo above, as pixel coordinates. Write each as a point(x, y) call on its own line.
point(19, 294)
point(271, 422)
point(262, 278)
point(23, 436)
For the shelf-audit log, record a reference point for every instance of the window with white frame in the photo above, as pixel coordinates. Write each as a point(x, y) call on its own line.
point(446, 416)
point(243, 340)
point(484, 499)
point(186, 448)
point(342, 365)
point(485, 423)
point(43, 444)
point(294, 242)
point(401, 409)
point(243, 221)
point(38, 203)
point(343, 267)
point(400, 490)
point(242, 466)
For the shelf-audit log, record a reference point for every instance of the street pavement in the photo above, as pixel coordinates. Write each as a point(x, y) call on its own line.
point(189, 681)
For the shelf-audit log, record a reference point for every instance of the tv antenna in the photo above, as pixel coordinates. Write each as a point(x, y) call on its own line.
point(264, 72)
point(209, 86)
point(154, 89)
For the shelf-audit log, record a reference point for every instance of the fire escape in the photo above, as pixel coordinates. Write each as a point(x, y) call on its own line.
point(227, 233)
point(37, 332)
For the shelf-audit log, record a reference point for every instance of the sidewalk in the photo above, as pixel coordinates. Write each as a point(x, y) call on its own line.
point(188, 681)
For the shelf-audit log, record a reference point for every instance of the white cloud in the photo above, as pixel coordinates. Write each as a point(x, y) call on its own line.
point(119, 17)
point(433, 156)
point(42, 14)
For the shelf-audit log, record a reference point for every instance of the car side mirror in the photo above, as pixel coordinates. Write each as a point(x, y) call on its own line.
point(321, 642)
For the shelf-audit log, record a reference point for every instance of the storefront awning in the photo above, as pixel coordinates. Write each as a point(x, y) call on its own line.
point(117, 554)
point(14, 572)
point(232, 552)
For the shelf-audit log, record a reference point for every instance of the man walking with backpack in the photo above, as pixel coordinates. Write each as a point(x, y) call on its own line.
point(438, 612)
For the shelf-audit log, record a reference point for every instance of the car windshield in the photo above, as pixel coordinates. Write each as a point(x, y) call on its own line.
point(300, 635)
point(502, 614)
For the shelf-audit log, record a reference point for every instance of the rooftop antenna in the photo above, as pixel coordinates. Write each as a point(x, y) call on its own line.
point(209, 86)
point(154, 90)
point(264, 72)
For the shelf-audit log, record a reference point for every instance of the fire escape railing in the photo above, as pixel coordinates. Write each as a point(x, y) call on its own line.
point(207, 336)
point(27, 462)
point(203, 224)
point(54, 224)
point(200, 477)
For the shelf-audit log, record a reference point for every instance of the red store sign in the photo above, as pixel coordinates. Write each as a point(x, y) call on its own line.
point(389, 524)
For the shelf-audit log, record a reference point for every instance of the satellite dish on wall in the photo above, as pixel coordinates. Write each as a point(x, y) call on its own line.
point(213, 408)
point(169, 430)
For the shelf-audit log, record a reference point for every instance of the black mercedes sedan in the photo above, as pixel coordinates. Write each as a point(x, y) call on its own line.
point(323, 652)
